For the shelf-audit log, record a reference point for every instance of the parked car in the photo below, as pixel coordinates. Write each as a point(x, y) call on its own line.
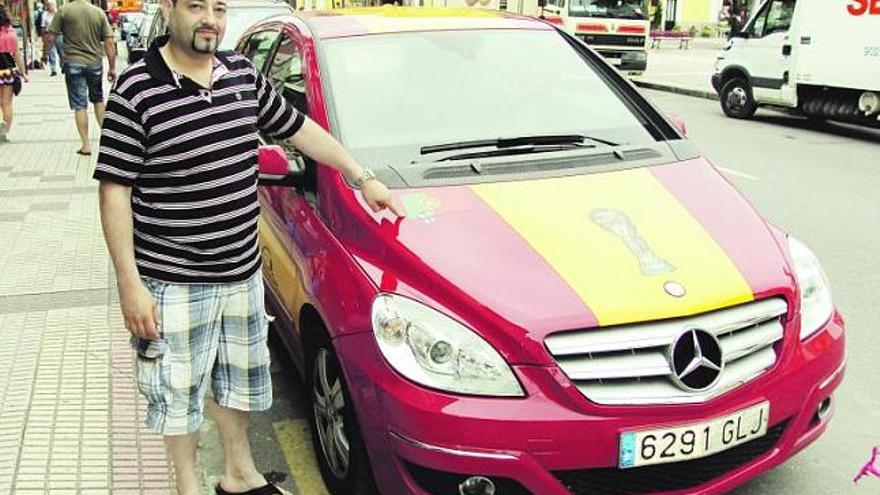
point(241, 14)
point(576, 302)
point(793, 54)
point(135, 42)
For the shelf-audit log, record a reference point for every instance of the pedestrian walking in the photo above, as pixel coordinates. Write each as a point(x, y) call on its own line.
point(85, 30)
point(178, 195)
point(12, 71)
point(52, 52)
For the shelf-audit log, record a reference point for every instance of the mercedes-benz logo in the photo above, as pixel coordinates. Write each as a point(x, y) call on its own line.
point(696, 360)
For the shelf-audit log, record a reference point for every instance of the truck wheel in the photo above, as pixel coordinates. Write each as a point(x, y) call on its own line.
point(336, 435)
point(736, 99)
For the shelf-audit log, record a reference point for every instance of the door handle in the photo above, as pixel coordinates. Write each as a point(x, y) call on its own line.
point(786, 50)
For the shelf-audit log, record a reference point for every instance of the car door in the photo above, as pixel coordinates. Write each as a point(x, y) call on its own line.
point(768, 49)
point(290, 229)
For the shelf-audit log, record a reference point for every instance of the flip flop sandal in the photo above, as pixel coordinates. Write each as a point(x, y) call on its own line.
point(83, 153)
point(267, 489)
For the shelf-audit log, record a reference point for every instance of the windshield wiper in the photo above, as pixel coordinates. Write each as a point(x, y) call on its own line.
point(502, 143)
point(518, 150)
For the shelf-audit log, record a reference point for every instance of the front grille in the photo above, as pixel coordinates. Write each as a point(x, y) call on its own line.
point(444, 483)
point(612, 40)
point(668, 477)
point(629, 364)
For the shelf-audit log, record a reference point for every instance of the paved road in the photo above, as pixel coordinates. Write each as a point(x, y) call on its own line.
point(821, 184)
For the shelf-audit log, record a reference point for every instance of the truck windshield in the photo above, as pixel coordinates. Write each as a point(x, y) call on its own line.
point(618, 9)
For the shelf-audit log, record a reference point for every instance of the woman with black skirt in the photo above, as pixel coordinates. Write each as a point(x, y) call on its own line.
point(12, 71)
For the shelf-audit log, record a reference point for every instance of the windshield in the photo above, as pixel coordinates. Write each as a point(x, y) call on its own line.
point(240, 20)
point(419, 89)
point(620, 9)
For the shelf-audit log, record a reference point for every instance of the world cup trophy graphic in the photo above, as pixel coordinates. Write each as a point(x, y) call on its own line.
point(619, 224)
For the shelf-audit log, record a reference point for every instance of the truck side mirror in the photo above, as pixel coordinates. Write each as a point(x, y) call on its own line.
point(542, 3)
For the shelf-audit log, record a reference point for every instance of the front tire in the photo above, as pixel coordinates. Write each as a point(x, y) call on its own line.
point(737, 100)
point(336, 435)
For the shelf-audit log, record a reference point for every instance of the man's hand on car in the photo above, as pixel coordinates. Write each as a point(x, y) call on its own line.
point(378, 197)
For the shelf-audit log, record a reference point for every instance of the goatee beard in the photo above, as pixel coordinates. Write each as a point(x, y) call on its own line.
point(207, 46)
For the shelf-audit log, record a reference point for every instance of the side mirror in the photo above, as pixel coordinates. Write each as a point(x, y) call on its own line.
point(542, 3)
point(679, 124)
point(274, 168)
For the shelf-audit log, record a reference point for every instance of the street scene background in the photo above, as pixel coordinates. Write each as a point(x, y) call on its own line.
point(71, 419)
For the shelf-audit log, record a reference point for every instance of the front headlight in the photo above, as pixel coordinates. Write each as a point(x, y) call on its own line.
point(816, 303)
point(436, 351)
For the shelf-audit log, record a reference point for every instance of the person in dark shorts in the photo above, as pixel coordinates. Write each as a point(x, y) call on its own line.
point(85, 29)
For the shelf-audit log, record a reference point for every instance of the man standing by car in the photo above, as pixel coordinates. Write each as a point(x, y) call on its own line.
point(179, 210)
point(85, 29)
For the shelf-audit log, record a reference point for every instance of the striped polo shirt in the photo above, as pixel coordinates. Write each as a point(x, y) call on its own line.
point(190, 156)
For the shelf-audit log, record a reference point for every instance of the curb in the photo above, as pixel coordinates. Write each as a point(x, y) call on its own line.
point(696, 93)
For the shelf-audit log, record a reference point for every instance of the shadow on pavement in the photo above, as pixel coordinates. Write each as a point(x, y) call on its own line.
point(827, 127)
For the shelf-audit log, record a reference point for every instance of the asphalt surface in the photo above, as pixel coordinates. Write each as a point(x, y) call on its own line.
point(821, 183)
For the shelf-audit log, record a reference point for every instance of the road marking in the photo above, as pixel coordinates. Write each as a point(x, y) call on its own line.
point(738, 174)
point(296, 443)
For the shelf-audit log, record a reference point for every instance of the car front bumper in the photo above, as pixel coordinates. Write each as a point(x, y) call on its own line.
point(555, 442)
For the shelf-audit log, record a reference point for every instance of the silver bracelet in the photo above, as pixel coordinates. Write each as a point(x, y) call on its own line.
point(364, 176)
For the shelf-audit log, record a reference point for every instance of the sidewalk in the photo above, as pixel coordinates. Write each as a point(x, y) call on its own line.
point(71, 419)
point(70, 416)
point(685, 72)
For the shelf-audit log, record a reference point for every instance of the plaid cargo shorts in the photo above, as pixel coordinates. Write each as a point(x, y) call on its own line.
point(213, 334)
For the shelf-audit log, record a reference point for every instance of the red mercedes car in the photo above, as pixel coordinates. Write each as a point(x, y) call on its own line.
point(576, 302)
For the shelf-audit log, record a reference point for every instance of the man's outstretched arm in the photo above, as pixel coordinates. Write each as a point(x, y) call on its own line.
point(319, 145)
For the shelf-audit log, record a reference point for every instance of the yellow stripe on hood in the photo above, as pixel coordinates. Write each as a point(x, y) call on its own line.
point(616, 239)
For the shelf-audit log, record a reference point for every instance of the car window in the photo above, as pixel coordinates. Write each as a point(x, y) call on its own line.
point(145, 27)
point(258, 46)
point(242, 44)
point(157, 29)
point(405, 89)
point(286, 74)
point(240, 19)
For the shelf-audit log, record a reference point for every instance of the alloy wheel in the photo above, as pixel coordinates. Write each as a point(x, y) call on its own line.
point(329, 403)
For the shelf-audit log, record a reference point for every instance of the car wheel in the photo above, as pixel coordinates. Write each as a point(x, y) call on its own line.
point(737, 100)
point(336, 435)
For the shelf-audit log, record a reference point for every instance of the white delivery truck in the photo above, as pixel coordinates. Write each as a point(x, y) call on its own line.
point(820, 58)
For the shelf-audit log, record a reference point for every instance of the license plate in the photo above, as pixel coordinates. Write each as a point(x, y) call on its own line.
point(685, 442)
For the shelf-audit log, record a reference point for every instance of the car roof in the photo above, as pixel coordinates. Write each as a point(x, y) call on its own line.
point(391, 19)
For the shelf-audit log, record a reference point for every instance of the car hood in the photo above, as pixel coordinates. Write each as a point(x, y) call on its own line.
point(583, 251)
